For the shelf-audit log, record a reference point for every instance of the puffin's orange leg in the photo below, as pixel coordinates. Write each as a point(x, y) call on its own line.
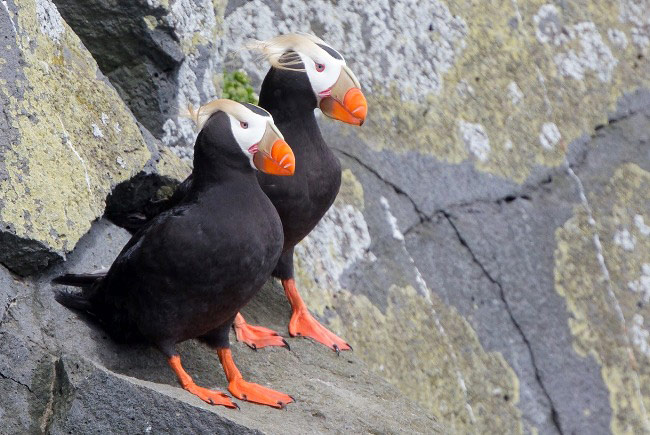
point(209, 396)
point(247, 390)
point(257, 337)
point(305, 325)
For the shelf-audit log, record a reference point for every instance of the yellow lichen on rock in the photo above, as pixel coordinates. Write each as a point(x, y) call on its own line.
point(598, 293)
point(74, 137)
point(351, 191)
point(531, 78)
point(425, 348)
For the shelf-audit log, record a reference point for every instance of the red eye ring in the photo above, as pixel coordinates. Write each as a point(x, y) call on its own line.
point(243, 124)
point(320, 67)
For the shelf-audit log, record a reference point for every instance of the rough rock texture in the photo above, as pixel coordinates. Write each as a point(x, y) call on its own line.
point(65, 137)
point(59, 373)
point(455, 240)
point(489, 253)
point(159, 54)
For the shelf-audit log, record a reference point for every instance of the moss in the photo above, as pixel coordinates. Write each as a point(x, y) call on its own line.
point(594, 323)
point(351, 191)
point(236, 86)
point(475, 89)
point(60, 169)
point(408, 349)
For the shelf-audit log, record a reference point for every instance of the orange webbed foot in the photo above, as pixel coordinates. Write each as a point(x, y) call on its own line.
point(210, 396)
point(255, 393)
point(249, 391)
point(257, 337)
point(303, 324)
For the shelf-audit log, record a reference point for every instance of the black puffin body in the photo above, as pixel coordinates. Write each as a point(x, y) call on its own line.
point(301, 200)
point(189, 271)
point(290, 95)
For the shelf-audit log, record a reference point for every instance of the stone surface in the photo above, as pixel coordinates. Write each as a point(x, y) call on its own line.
point(159, 54)
point(59, 372)
point(66, 138)
point(488, 254)
point(462, 198)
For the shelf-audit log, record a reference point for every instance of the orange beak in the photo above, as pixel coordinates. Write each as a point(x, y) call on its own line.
point(279, 161)
point(353, 110)
point(344, 101)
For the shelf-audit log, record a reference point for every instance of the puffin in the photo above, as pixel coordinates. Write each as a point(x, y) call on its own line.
point(188, 271)
point(306, 74)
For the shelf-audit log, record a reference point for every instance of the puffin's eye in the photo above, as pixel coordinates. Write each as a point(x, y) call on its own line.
point(320, 67)
point(243, 124)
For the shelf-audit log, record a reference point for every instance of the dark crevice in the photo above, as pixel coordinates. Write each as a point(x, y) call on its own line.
point(58, 397)
point(423, 216)
point(502, 296)
point(615, 119)
point(9, 378)
point(499, 201)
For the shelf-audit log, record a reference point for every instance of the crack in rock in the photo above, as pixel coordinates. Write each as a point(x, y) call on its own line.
point(424, 217)
point(554, 414)
point(9, 378)
point(396, 188)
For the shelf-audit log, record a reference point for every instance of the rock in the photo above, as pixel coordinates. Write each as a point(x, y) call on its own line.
point(66, 138)
point(487, 255)
point(60, 373)
point(159, 55)
point(460, 241)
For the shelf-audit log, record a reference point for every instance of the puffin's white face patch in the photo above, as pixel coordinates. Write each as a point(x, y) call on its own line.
point(322, 72)
point(248, 129)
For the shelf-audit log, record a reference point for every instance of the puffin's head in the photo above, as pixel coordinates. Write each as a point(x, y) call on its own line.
point(336, 88)
point(256, 137)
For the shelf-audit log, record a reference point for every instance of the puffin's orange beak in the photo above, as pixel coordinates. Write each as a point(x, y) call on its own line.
point(353, 110)
point(279, 161)
point(344, 101)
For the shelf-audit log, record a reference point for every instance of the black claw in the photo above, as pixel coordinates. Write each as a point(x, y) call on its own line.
point(338, 351)
point(236, 406)
point(286, 344)
point(349, 346)
point(210, 401)
point(254, 347)
point(292, 398)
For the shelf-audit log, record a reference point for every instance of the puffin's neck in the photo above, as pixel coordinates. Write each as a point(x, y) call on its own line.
point(287, 95)
point(212, 170)
point(292, 109)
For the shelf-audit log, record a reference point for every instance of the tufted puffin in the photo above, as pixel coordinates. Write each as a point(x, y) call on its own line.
point(305, 74)
point(188, 272)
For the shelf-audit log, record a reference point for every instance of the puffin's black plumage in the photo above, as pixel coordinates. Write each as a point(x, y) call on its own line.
point(189, 270)
point(303, 199)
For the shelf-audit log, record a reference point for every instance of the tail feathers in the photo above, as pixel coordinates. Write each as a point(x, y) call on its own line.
point(75, 301)
point(79, 279)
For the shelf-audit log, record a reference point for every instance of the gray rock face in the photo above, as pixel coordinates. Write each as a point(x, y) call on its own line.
point(159, 55)
point(488, 255)
point(66, 138)
point(141, 60)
